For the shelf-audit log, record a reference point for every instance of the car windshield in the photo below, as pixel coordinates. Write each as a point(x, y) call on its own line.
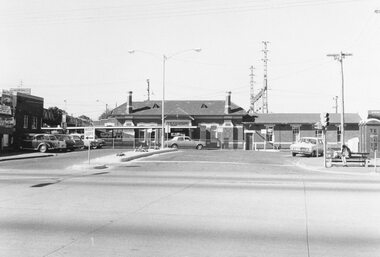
point(308, 140)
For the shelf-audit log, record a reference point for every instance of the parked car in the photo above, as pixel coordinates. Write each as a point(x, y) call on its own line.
point(92, 143)
point(78, 142)
point(310, 146)
point(70, 143)
point(101, 142)
point(185, 142)
point(39, 142)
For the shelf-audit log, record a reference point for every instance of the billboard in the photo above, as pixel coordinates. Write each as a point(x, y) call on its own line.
point(27, 91)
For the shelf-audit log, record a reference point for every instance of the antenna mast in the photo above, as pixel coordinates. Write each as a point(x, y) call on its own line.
point(252, 92)
point(265, 87)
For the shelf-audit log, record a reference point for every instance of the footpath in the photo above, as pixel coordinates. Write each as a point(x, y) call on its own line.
point(115, 158)
point(316, 164)
point(95, 163)
point(21, 156)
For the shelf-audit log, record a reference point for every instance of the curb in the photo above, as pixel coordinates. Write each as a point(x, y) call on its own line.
point(329, 171)
point(145, 154)
point(18, 157)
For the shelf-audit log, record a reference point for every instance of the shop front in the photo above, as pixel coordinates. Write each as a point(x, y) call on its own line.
point(6, 127)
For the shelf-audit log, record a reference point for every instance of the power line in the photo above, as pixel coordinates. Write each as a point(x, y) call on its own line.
point(126, 12)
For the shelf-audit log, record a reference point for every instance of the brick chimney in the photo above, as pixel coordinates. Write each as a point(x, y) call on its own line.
point(129, 103)
point(227, 105)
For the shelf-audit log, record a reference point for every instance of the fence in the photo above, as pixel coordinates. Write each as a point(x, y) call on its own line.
point(119, 143)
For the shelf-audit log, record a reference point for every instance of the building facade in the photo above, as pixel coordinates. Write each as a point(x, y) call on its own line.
point(219, 123)
point(280, 130)
point(7, 120)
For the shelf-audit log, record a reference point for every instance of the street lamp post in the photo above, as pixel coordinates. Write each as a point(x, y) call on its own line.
point(97, 100)
point(164, 59)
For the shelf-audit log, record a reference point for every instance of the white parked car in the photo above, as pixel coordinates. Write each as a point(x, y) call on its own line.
point(310, 146)
point(185, 142)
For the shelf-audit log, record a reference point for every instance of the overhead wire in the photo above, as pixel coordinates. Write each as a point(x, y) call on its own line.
point(162, 12)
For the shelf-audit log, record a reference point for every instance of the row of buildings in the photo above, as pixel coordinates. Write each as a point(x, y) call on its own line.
point(21, 112)
point(221, 123)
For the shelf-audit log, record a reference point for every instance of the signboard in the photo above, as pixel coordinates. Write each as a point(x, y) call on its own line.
point(27, 91)
point(318, 125)
point(89, 133)
point(177, 123)
point(374, 142)
point(5, 109)
point(8, 122)
point(6, 97)
point(167, 128)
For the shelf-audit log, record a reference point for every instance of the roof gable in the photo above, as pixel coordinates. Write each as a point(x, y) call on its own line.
point(191, 107)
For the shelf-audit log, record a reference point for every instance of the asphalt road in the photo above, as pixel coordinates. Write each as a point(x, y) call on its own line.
point(186, 203)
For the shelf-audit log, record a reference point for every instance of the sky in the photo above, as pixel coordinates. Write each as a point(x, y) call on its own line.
point(76, 53)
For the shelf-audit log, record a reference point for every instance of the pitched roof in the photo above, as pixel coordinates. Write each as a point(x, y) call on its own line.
point(302, 118)
point(174, 107)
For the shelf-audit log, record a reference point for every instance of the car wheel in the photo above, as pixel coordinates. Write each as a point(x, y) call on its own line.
point(199, 147)
point(43, 148)
point(293, 154)
point(174, 146)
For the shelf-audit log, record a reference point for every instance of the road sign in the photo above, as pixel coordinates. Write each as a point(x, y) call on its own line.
point(89, 133)
point(318, 125)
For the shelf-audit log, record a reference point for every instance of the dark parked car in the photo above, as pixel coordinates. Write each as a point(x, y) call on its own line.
point(70, 143)
point(93, 144)
point(100, 142)
point(79, 144)
point(39, 142)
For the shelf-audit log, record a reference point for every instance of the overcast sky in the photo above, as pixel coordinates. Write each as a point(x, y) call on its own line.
point(77, 50)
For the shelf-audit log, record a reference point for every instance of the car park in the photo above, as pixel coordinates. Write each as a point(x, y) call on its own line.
point(185, 142)
point(39, 142)
point(309, 146)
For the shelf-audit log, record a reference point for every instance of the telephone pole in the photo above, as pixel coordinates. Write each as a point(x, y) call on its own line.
point(252, 92)
point(340, 57)
point(148, 88)
point(265, 88)
point(336, 103)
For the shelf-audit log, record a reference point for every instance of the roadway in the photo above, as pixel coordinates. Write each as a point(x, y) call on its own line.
point(186, 203)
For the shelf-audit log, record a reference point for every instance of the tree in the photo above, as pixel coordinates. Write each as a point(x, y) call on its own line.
point(54, 116)
point(105, 115)
point(84, 117)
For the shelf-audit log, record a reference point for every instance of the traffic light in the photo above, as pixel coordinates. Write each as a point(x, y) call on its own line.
point(325, 119)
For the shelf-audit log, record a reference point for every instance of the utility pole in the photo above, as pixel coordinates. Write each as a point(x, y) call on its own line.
point(336, 103)
point(339, 57)
point(252, 92)
point(265, 88)
point(148, 89)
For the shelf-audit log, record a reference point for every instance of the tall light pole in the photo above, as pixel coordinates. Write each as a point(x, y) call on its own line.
point(97, 100)
point(339, 57)
point(164, 60)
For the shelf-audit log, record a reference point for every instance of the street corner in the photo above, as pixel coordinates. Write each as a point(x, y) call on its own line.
point(317, 165)
point(138, 153)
